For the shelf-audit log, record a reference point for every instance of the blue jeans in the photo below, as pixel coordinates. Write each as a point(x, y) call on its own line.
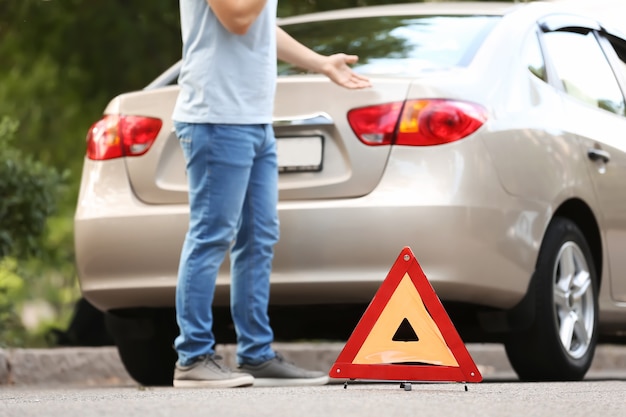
point(233, 193)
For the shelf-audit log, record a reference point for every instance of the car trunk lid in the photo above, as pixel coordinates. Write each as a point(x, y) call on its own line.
point(319, 154)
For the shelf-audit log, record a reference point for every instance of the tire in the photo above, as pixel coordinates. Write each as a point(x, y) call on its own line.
point(560, 343)
point(144, 340)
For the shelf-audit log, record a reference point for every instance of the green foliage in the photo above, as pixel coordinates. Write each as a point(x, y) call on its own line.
point(11, 284)
point(62, 61)
point(28, 191)
point(38, 290)
point(295, 7)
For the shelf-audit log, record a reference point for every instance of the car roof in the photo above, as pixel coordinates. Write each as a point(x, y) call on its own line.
point(536, 9)
point(435, 8)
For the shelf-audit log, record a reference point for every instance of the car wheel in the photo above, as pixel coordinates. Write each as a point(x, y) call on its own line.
point(144, 340)
point(561, 341)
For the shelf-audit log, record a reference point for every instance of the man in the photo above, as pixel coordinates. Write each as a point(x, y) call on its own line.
point(223, 119)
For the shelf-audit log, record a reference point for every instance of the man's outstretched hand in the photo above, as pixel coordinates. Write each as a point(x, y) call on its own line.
point(337, 68)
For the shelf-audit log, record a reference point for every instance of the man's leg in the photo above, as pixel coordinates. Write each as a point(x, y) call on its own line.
point(251, 265)
point(219, 159)
point(252, 254)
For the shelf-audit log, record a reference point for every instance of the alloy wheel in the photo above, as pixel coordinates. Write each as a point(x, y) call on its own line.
point(573, 300)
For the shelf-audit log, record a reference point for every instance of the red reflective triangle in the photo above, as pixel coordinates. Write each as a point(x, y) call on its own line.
point(433, 351)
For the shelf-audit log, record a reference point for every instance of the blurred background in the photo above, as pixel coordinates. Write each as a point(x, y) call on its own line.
point(61, 61)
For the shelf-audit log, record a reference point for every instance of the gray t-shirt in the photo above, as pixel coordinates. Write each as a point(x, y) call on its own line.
point(226, 78)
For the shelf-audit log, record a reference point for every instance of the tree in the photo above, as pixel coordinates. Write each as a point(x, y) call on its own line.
point(28, 193)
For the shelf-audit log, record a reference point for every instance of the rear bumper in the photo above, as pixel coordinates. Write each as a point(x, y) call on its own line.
point(330, 251)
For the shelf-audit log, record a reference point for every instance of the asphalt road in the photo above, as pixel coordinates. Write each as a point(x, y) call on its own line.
point(99, 367)
point(92, 382)
point(605, 398)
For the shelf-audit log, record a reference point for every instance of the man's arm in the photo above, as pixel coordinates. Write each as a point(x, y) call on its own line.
point(237, 15)
point(336, 67)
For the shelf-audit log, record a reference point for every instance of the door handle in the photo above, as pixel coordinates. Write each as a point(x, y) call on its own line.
point(598, 155)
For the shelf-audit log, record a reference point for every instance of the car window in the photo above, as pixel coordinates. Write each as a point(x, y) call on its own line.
point(534, 57)
point(396, 44)
point(584, 70)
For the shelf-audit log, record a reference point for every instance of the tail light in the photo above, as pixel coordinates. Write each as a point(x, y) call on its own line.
point(416, 122)
point(115, 136)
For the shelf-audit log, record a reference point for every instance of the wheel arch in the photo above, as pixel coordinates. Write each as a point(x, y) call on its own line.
point(523, 314)
point(581, 214)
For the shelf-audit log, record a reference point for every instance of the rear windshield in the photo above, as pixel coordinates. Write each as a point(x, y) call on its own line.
point(396, 44)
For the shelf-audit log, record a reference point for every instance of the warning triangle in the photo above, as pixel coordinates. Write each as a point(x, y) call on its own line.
point(405, 334)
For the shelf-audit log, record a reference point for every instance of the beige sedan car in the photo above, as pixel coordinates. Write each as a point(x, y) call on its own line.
point(491, 143)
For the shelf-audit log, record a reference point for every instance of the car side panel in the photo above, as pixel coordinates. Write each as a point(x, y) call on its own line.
point(604, 131)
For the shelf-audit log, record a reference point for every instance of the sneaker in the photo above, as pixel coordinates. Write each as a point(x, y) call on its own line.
point(209, 372)
point(278, 372)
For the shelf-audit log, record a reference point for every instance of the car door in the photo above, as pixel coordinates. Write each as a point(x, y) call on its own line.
point(596, 108)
